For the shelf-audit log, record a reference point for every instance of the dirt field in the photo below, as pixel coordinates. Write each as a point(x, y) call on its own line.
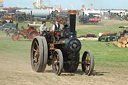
point(15, 69)
point(18, 72)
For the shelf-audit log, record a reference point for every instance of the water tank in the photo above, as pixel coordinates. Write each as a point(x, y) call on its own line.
point(36, 12)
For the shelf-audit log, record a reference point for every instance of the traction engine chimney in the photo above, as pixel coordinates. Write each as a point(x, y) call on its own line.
point(72, 23)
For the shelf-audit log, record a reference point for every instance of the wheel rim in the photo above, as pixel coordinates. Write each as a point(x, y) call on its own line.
point(87, 62)
point(35, 58)
point(56, 63)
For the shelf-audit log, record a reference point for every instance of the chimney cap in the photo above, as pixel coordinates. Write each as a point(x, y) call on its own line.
point(73, 12)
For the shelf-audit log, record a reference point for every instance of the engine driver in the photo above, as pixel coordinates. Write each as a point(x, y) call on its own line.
point(43, 28)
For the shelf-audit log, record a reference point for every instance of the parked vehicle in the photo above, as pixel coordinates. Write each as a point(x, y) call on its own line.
point(110, 36)
point(107, 36)
point(88, 35)
point(29, 33)
point(61, 17)
point(6, 26)
point(8, 16)
point(124, 32)
point(91, 18)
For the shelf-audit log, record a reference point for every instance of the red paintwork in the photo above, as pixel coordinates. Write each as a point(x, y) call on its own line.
point(94, 19)
point(31, 29)
point(55, 32)
point(8, 19)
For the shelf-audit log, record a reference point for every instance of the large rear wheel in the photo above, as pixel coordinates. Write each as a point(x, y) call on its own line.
point(32, 34)
point(39, 54)
point(87, 62)
point(20, 19)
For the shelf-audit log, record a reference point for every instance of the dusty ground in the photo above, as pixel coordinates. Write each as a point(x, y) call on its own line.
point(15, 69)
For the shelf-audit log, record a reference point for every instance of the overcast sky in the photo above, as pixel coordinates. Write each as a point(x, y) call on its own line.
point(98, 4)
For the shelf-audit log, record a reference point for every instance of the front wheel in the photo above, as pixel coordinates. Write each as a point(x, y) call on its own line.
point(100, 38)
point(87, 62)
point(15, 37)
point(57, 62)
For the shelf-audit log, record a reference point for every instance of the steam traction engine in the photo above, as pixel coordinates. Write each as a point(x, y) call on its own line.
point(61, 50)
point(29, 33)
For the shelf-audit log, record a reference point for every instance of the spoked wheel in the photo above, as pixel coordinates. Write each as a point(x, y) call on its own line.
point(32, 34)
point(73, 65)
point(57, 62)
point(39, 54)
point(87, 62)
point(100, 38)
point(95, 23)
point(15, 37)
point(20, 19)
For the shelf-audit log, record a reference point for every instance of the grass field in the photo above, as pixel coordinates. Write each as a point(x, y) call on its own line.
point(111, 62)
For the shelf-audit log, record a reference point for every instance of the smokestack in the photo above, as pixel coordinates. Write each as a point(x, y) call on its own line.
point(31, 18)
point(72, 23)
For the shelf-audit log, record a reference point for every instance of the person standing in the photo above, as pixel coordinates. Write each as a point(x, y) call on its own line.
point(8, 31)
point(56, 26)
point(43, 28)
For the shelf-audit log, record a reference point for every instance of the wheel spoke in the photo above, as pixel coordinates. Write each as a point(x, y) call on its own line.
point(88, 62)
point(37, 45)
point(34, 50)
point(36, 64)
point(55, 62)
point(86, 70)
point(35, 59)
point(87, 57)
point(57, 67)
